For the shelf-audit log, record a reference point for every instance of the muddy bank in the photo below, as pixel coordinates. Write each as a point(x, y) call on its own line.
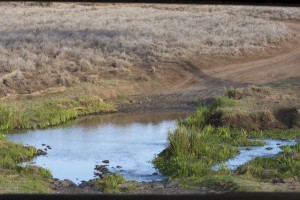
point(129, 187)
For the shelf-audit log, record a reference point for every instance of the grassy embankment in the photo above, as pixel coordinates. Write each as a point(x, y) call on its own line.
point(213, 134)
point(48, 111)
point(17, 179)
point(38, 112)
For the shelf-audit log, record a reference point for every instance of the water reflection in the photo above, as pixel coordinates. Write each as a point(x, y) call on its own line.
point(127, 140)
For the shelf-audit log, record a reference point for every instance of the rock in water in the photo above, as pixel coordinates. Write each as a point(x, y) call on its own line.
point(105, 161)
point(40, 152)
point(63, 183)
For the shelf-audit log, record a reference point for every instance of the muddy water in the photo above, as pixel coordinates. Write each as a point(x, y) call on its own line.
point(128, 141)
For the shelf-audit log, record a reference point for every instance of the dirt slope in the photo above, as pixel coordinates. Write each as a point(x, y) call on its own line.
point(203, 83)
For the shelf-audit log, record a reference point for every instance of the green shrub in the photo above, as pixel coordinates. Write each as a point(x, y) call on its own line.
point(31, 170)
point(6, 118)
point(2, 136)
point(7, 162)
point(110, 183)
point(192, 151)
point(224, 102)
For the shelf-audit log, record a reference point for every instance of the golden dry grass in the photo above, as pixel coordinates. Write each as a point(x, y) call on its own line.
point(62, 44)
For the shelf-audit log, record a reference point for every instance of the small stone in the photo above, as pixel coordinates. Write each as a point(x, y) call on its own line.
point(248, 148)
point(100, 167)
point(114, 64)
point(276, 180)
point(64, 183)
point(141, 188)
point(103, 175)
point(158, 186)
point(171, 185)
point(105, 161)
point(242, 169)
point(118, 166)
point(155, 173)
point(278, 144)
point(43, 144)
point(269, 148)
point(98, 174)
point(41, 152)
point(125, 185)
point(67, 183)
point(290, 179)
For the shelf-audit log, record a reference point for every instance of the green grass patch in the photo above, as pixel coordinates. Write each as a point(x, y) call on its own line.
point(212, 135)
point(17, 179)
point(109, 183)
point(216, 182)
point(19, 182)
point(275, 134)
point(281, 166)
point(192, 151)
point(43, 112)
point(205, 115)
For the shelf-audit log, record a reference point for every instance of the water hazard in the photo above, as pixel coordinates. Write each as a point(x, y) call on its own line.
point(128, 141)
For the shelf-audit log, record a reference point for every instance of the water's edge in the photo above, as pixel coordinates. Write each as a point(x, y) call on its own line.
point(129, 141)
point(247, 153)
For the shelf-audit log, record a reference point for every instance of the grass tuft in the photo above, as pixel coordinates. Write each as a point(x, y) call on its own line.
point(109, 183)
point(17, 179)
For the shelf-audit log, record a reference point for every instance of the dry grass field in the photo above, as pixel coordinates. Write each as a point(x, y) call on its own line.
point(59, 61)
point(65, 44)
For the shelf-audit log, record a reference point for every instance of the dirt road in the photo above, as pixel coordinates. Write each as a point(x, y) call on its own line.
point(204, 83)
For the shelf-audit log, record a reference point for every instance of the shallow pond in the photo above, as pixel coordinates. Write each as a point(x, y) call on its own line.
point(128, 141)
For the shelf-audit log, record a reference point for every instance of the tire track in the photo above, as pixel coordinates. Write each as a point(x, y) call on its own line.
point(205, 84)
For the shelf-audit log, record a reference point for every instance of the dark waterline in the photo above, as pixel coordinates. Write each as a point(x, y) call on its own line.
point(127, 140)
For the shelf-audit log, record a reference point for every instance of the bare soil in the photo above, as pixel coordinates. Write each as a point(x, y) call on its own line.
point(203, 82)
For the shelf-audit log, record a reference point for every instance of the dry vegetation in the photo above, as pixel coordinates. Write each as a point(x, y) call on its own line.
point(53, 45)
